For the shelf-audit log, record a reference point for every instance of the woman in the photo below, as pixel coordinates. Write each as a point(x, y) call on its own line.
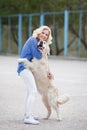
point(29, 51)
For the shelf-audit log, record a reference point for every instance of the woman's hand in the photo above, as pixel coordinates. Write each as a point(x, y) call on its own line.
point(50, 75)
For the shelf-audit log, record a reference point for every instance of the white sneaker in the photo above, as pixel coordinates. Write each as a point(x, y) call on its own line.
point(36, 117)
point(31, 120)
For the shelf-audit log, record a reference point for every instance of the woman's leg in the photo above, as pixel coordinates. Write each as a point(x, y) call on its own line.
point(29, 81)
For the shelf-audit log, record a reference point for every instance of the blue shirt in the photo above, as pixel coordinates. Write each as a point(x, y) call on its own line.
point(29, 51)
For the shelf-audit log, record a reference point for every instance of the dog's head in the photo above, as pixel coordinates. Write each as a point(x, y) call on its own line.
point(43, 45)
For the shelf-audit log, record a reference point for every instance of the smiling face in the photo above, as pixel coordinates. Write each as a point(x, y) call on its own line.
point(43, 36)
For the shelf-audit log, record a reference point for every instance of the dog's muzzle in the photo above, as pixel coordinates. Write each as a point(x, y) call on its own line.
point(41, 45)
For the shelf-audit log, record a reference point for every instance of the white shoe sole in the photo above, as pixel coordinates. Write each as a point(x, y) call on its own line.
point(33, 122)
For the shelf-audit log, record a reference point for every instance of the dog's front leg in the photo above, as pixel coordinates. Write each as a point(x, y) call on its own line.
point(27, 63)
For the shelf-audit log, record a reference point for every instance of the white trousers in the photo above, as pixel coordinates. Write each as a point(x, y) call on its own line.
point(30, 84)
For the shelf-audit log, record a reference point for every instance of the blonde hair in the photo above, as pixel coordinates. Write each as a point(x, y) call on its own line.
point(39, 30)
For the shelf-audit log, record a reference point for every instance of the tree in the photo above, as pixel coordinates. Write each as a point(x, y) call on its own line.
point(37, 6)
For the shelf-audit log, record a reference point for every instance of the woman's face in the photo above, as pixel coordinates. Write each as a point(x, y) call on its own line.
point(43, 36)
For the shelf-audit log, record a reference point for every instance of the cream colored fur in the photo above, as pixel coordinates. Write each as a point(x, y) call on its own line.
point(45, 86)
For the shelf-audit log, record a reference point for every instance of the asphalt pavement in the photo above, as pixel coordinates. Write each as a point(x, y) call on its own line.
point(70, 78)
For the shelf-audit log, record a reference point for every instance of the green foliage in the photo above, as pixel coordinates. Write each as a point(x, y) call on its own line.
point(35, 6)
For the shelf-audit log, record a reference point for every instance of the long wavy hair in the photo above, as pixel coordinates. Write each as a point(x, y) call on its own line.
point(39, 30)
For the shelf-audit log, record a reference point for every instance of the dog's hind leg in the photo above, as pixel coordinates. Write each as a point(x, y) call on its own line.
point(46, 103)
point(58, 113)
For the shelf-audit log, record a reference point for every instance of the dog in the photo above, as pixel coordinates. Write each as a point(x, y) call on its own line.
point(46, 87)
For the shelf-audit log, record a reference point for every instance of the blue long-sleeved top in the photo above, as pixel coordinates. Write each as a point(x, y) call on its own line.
point(29, 51)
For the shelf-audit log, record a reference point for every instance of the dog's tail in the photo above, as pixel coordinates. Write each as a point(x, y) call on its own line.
point(63, 99)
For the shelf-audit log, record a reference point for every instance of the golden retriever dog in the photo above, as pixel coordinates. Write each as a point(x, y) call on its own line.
point(46, 87)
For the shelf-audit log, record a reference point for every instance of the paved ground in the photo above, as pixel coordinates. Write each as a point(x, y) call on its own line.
point(70, 77)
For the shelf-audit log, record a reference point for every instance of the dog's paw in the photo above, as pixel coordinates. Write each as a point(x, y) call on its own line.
point(18, 60)
point(22, 60)
point(59, 118)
